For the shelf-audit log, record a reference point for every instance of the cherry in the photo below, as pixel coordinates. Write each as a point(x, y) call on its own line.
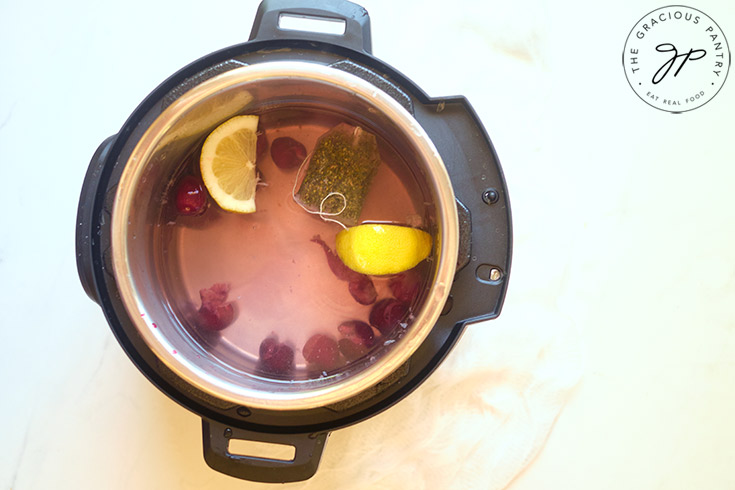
point(357, 340)
point(361, 287)
point(191, 198)
point(287, 152)
point(215, 294)
point(405, 286)
point(275, 357)
point(350, 350)
point(321, 353)
point(215, 313)
point(363, 290)
point(217, 317)
point(357, 332)
point(338, 267)
point(387, 314)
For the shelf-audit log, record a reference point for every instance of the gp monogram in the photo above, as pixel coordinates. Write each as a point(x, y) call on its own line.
point(676, 58)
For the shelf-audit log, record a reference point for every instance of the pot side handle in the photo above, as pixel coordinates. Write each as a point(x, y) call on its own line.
point(308, 452)
point(86, 228)
point(356, 36)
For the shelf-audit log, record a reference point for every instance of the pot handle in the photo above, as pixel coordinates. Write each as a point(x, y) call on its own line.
point(86, 229)
point(356, 36)
point(308, 447)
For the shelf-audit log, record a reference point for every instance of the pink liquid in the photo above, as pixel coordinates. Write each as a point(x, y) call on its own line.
point(280, 282)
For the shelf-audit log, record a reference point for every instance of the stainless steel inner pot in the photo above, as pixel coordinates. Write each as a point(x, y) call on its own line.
point(155, 160)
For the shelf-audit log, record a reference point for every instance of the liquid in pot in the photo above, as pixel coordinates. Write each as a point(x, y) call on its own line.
point(262, 292)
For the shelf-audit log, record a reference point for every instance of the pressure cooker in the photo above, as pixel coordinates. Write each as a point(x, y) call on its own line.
point(445, 147)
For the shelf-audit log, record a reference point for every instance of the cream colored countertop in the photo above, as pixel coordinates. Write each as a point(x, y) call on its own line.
point(624, 257)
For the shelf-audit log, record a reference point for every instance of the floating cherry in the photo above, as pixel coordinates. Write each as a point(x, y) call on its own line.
point(357, 332)
point(405, 286)
point(357, 339)
point(322, 353)
point(363, 290)
point(287, 152)
point(215, 313)
point(216, 318)
point(275, 357)
point(350, 350)
point(387, 314)
point(191, 198)
point(338, 267)
point(361, 287)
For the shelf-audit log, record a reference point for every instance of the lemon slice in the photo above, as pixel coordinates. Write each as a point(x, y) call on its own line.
point(377, 249)
point(228, 164)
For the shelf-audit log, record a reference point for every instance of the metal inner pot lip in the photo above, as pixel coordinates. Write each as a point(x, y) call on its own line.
point(319, 392)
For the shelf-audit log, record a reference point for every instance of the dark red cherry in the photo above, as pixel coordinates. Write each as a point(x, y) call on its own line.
point(387, 314)
point(216, 317)
point(358, 332)
point(350, 350)
point(287, 152)
point(215, 312)
point(216, 294)
point(338, 268)
point(363, 290)
point(361, 287)
point(405, 286)
point(191, 198)
point(321, 353)
point(275, 357)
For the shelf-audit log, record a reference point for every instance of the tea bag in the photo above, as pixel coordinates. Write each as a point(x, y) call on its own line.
point(339, 173)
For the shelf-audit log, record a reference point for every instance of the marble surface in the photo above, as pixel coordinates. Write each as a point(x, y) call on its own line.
point(623, 224)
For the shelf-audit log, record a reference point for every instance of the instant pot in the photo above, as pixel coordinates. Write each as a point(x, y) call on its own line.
point(446, 149)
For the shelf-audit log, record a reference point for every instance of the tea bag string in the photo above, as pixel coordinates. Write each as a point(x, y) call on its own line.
point(322, 214)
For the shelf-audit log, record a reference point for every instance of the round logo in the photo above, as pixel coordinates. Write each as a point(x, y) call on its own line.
point(676, 58)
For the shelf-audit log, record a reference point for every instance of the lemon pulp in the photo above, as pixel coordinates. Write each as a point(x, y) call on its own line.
point(227, 163)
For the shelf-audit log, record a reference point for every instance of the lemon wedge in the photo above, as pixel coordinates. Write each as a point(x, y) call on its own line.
point(378, 249)
point(227, 163)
